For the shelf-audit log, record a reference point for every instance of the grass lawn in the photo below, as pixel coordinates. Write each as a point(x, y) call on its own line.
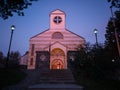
point(10, 77)
point(92, 84)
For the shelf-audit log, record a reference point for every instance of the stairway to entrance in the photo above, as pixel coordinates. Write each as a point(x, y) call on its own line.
point(47, 80)
point(55, 76)
point(55, 80)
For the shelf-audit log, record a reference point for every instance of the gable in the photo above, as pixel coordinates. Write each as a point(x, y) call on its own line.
point(57, 35)
point(57, 11)
point(37, 35)
point(75, 34)
point(69, 35)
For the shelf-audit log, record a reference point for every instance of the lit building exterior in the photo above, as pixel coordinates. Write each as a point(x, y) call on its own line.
point(51, 48)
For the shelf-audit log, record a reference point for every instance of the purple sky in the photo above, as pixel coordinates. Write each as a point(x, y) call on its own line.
point(82, 16)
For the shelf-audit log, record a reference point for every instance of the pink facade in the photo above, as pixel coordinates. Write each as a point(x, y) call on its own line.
point(53, 44)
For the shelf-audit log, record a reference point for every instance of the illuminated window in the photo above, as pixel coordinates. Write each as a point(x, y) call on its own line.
point(57, 35)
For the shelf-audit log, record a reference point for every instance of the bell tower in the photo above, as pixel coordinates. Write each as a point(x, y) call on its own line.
point(57, 20)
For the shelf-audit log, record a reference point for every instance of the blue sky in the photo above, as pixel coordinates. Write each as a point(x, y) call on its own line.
point(82, 16)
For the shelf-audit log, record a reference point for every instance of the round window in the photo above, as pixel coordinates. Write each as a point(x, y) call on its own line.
point(57, 19)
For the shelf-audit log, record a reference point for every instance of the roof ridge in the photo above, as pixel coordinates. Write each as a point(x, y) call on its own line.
point(39, 33)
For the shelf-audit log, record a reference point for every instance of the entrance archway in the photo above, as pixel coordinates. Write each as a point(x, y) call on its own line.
point(57, 64)
point(57, 59)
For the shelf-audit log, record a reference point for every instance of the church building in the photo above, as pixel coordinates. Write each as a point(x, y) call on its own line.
point(54, 47)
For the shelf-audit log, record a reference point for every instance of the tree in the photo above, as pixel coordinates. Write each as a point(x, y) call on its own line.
point(1, 56)
point(14, 55)
point(14, 59)
point(110, 42)
point(8, 7)
point(112, 35)
point(95, 63)
point(114, 3)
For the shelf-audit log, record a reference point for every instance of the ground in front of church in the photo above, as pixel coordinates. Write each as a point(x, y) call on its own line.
point(47, 80)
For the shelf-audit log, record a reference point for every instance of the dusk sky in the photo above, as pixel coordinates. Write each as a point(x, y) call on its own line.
point(82, 17)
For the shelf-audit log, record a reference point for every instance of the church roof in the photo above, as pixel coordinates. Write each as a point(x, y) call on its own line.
point(66, 30)
point(75, 34)
point(57, 11)
point(38, 34)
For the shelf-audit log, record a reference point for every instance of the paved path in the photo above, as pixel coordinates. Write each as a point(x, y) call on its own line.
point(55, 87)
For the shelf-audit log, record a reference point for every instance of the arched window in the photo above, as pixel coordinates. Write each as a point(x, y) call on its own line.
point(57, 35)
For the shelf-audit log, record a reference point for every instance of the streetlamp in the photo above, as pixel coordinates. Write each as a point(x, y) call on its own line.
point(8, 54)
point(95, 32)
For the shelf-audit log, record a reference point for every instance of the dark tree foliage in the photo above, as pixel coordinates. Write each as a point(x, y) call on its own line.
point(95, 63)
point(14, 59)
point(14, 55)
point(113, 24)
point(1, 56)
point(115, 3)
point(110, 42)
point(8, 7)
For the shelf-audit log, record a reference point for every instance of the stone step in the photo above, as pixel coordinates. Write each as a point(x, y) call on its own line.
point(55, 87)
point(55, 82)
point(57, 73)
point(56, 76)
point(47, 80)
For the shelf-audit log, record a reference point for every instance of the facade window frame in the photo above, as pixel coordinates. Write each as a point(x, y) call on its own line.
point(57, 35)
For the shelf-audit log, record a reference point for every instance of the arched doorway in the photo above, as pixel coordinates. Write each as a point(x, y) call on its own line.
point(57, 59)
point(57, 64)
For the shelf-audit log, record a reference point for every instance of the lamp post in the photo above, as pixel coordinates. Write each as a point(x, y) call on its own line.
point(8, 54)
point(95, 32)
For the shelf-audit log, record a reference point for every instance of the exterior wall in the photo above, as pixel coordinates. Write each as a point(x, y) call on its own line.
point(70, 40)
point(42, 42)
point(24, 59)
point(31, 58)
point(45, 42)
